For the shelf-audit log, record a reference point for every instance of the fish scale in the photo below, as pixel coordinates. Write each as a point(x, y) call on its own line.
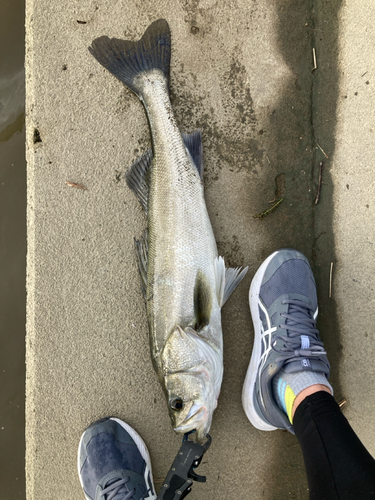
point(187, 283)
point(181, 239)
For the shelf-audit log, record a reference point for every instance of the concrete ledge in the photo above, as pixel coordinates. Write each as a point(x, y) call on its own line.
point(241, 73)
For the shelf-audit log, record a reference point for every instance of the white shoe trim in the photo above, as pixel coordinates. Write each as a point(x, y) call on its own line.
point(256, 359)
point(79, 470)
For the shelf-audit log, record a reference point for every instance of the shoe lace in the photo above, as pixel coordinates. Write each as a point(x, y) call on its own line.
point(119, 487)
point(302, 337)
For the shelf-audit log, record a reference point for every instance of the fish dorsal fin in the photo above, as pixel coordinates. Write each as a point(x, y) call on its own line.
point(137, 177)
point(227, 279)
point(141, 250)
point(193, 143)
point(202, 301)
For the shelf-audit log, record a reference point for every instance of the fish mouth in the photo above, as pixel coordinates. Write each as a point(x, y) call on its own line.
point(196, 419)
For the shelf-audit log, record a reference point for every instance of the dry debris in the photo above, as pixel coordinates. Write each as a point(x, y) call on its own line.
point(75, 185)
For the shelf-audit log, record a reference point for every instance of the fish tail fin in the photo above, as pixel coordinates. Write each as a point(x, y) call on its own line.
point(126, 59)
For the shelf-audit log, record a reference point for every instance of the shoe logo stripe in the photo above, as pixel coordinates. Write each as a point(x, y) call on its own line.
point(266, 341)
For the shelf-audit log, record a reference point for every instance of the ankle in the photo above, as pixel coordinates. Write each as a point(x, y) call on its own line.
point(307, 392)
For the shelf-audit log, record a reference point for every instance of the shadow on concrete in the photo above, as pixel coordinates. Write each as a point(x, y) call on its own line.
point(325, 101)
point(279, 159)
point(303, 125)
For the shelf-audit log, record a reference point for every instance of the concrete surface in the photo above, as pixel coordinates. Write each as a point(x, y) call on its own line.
point(242, 72)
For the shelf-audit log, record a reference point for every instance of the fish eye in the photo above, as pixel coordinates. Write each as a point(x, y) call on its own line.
point(176, 404)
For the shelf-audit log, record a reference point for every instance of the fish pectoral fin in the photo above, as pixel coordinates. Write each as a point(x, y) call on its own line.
point(233, 277)
point(219, 265)
point(193, 143)
point(227, 279)
point(137, 177)
point(202, 301)
point(141, 250)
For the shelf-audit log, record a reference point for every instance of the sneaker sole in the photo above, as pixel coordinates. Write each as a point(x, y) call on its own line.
point(141, 446)
point(248, 391)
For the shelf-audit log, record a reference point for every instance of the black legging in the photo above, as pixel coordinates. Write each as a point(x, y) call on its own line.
point(338, 466)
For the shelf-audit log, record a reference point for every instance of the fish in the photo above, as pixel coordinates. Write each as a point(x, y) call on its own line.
point(184, 281)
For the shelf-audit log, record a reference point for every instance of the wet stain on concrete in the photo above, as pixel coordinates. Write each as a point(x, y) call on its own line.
point(233, 144)
point(231, 251)
point(201, 20)
point(240, 103)
point(124, 102)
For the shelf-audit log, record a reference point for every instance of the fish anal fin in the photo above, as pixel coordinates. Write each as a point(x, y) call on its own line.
point(193, 143)
point(202, 301)
point(137, 177)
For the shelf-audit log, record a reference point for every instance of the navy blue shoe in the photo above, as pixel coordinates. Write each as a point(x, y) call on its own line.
point(113, 463)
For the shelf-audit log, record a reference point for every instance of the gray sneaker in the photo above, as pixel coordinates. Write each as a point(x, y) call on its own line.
point(284, 308)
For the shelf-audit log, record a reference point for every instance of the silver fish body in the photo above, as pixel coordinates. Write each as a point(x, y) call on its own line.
point(185, 283)
point(181, 241)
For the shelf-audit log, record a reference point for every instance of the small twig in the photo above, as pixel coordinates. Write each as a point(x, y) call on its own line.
point(270, 210)
point(75, 185)
point(314, 58)
point(319, 183)
point(330, 281)
point(322, 150)
point(364, 74)
point(342, 403)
